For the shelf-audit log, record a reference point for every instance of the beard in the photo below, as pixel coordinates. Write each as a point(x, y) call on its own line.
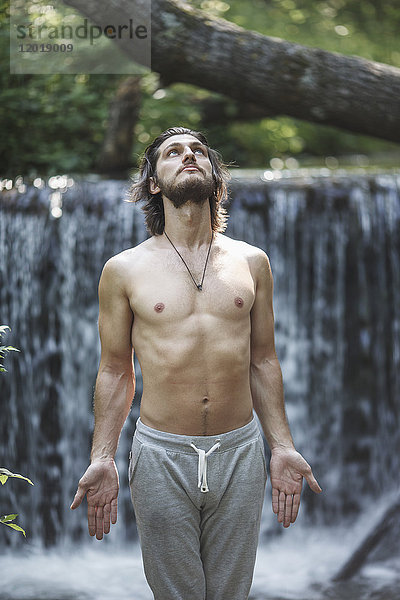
point(192, 189)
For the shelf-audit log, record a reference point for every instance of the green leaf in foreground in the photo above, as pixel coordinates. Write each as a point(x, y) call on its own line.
point(5, 474)
point(6, 520)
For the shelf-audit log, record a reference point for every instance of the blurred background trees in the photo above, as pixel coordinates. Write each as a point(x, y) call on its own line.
point(83, 123)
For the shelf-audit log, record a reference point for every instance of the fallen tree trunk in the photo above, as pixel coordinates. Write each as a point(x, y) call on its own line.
point(280, 77)
point(360, 555)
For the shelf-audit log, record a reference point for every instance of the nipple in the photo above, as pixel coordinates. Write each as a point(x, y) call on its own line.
point(239, 301)
point(159, 307)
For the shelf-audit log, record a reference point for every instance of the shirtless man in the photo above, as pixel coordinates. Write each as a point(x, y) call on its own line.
point(196, 307)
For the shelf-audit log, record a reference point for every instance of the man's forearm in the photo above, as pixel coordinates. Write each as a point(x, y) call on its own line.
point(268, 401)
point(112, 401)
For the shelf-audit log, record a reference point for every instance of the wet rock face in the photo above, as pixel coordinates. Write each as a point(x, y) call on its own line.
point(334, 247)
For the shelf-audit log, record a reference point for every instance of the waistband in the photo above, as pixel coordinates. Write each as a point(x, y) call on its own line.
point(181, 443)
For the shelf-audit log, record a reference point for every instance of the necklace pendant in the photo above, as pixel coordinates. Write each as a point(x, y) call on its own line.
point(198, 285)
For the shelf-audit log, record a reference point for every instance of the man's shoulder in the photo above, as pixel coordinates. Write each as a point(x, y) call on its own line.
point(257, 260)
point(122, 265)
point(129, 256)
point(248, 251)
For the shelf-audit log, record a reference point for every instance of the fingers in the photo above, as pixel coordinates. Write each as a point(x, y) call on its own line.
point(295, 507)
point(91, 517)
point(100, 519)
point(106, 518)
point(287, 517)
point(281, 508)
point(99, 522)
point(285, 506)
point(285, 513)
point(114, 511)
point(275, 500)
point(312, 482)
point(79, 496)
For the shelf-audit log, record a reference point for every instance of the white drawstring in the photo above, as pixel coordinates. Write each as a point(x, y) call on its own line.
point(202, 470)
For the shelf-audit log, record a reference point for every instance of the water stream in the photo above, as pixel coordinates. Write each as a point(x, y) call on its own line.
point(334, 247)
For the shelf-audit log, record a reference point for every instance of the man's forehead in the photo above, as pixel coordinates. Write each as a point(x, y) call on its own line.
point(180, 139)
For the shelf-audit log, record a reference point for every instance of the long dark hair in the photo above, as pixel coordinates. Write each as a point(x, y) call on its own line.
point(154, 208)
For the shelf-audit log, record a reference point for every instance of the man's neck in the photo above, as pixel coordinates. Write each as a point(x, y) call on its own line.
point(188, 226)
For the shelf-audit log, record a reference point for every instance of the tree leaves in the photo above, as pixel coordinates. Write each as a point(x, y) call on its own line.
point(5, 474)
point(6, 520)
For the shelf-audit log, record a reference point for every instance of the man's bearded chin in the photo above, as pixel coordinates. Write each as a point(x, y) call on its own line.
point(192, 189)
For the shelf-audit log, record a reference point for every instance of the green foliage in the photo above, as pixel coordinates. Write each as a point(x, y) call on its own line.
point(5, 473)
point(368, 29)
point(50, 124)
point(6, 520)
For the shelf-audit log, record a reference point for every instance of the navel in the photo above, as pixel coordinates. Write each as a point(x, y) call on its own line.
point(239, 301)
point(159, 307)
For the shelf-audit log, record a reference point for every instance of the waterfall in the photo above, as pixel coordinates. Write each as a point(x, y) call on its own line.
point(334, 247)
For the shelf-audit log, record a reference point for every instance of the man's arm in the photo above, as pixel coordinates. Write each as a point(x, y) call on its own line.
point(114, 391)
point(287, 467)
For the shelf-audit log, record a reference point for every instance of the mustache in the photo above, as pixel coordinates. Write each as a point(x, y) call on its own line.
point(191, 164)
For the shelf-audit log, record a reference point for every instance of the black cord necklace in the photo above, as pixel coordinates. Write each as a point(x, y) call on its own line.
point(198, 285)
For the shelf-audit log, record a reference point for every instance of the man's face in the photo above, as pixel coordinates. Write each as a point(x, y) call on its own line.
point(184, 171)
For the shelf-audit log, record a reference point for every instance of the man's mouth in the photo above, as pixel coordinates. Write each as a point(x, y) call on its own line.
point(190, 168)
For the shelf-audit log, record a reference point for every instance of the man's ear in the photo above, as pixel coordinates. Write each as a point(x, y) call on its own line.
point(153, 187)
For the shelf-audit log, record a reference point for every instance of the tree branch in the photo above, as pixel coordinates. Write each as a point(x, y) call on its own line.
point(280, 77)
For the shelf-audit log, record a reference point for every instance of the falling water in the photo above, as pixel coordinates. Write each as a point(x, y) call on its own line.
point(334, 247)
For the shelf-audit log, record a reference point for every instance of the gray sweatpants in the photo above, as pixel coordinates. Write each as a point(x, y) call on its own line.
point(198, 502)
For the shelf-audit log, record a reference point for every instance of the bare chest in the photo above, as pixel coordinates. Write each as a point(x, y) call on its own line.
point(166, 291)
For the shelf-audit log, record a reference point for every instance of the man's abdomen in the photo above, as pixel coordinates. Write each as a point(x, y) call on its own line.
point(203, 398)
point(196, 376)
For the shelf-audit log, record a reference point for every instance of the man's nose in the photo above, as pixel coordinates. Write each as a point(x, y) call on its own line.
point(188, 155)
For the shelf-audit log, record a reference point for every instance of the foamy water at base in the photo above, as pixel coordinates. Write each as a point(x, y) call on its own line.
point(297, 565)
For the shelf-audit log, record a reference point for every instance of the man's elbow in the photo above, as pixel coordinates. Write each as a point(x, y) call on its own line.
point(117, 366)
point(264, 358)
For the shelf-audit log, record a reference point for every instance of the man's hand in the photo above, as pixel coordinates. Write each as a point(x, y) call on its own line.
point(287, 469)
point(100, 484)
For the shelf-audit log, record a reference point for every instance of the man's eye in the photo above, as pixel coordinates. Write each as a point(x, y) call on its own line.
point(172, 152)
point(199, 150)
